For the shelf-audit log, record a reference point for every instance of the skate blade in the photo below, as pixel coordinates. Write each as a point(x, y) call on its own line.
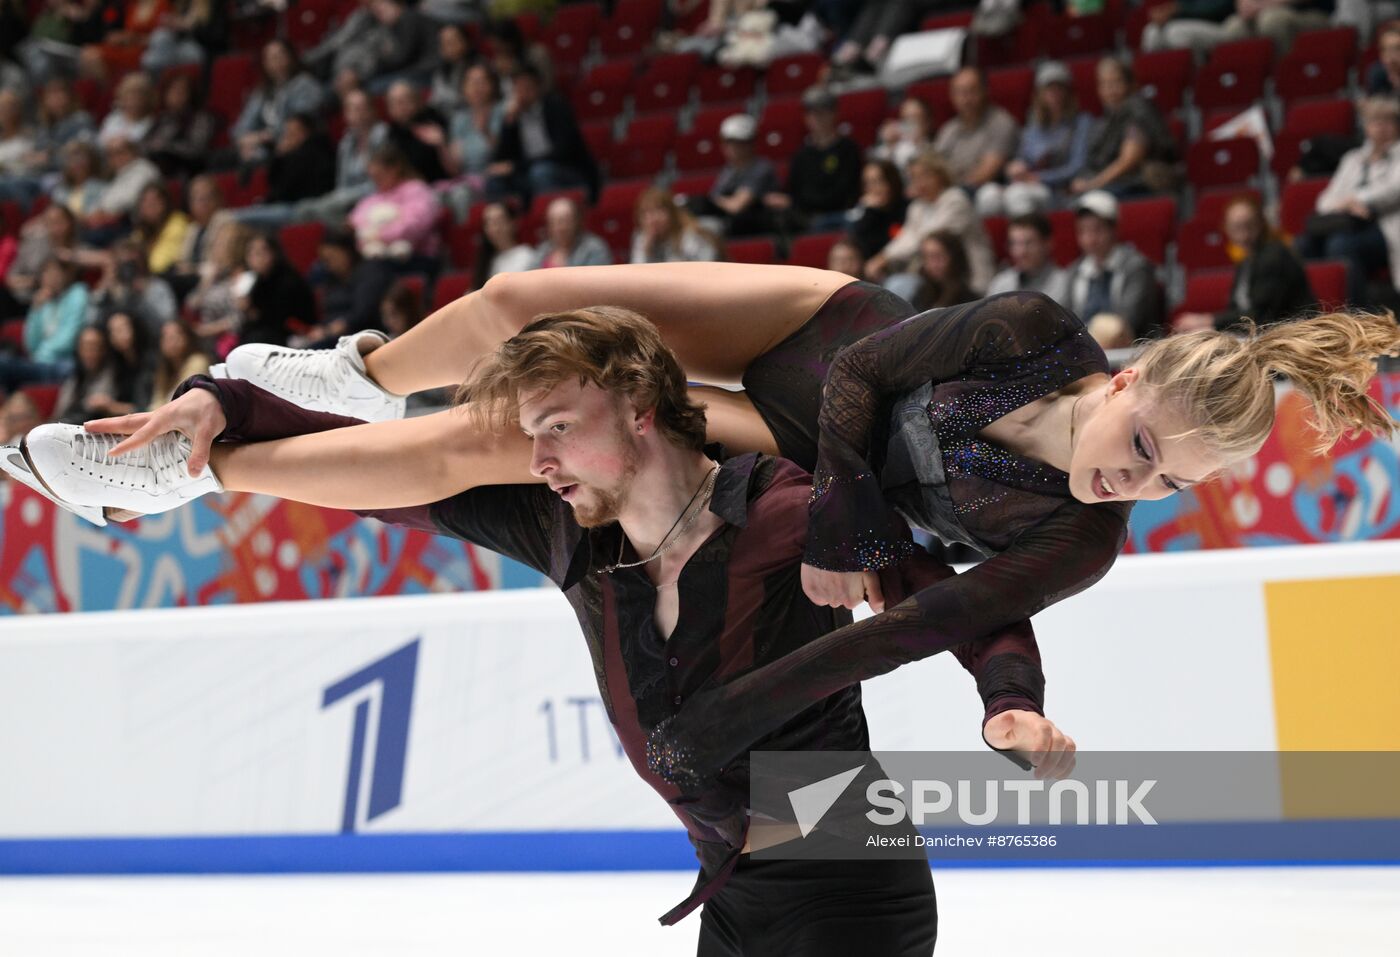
point(14, 460)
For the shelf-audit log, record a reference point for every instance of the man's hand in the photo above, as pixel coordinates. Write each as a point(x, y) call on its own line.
point(842, 589)
point(196, 414)
point(1036, 738)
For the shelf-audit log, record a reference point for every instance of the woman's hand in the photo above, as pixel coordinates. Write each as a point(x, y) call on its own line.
point(1036, 738)
point(842, 589)
point(196, 414)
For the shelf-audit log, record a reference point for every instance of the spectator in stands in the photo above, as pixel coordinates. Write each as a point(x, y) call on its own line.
point(178, 356)
point(221, 284)
point(284, 89)
point(541, 148)
point(903, 139)
point(566, 242)
point(1270, 282)
point(397, 224)
point(303, 162)
point(1113, 287)
point(419, 131)
point(943, 272)
point(134, 367)
point(18, 415)
point(499, 248)
point(1357, 217)
point(401, 309)
point(364, 132)
point(824, 177)
point(159, 227)
point(511, 53)
point(845, 256)
point(54, 232)
point(16, 135)
point(121, 50)
point(80, 185)
point(183, 132)
point(935, 204)
point(204, 201)
point(280, 302)
point(980, 138)
point(1279, 20)
point(476, 122)
point(1054, 147)
point(92, 377)
point(194, 31)
point(131, 173)
point(133, 110)
point(1030, 250)
point(403, 49)
point(128, 286)
point(56, 313)
point(880, 212)
point(876, 26)
point(741, 194)
point(349, 291)
point(1384, 75)
point(60, 121)
point(455, 55)
point(666, 233)
point(1132, 151)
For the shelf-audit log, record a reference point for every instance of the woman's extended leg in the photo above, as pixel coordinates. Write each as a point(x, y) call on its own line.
point(716, 317)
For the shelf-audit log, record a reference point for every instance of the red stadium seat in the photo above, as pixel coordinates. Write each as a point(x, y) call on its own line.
point(630, 29)
point(933, 94)
point(1298, 202)
point(791, 75)
point(1227, 84)
point(603, 90)
point(1079, 36)
point(1163, 77)
point(1201, 245)
point(1011, 90)
point(450, 287)
point(571, 30)
point(461, 244)
point(1062, 239)
point(1299, 76)
point(947, 21)
point(1084, 74)
point(1321, 116)
point(1212, 203)
point(1255, 55)
point(231, 77)
point(599, 137)
point(12, 335)
point(308, 21)
point(860, 114)
point(1208, 291)
point(1222, 162)
point(1329, 283)
point(44, 397)
point(781, 129)
point(643, 148)
point(301, 242)
point(813, 250)
point(613, 217)
point(1149, 224)
point(1023, 44)
point(997, 228)
point(752, 251)
point(666, 82)
point(720, 84)
point(1338, 42)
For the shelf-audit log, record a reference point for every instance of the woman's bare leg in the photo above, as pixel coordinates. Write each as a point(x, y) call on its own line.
point(429, 458)
point(716, 317)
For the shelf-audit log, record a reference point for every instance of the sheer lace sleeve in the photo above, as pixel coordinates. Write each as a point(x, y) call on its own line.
point(850, 529)
point(1059, 557)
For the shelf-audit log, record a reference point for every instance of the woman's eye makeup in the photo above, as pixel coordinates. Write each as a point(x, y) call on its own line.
point(1142, 451)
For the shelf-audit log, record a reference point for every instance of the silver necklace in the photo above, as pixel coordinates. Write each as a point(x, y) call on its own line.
point(671, 537)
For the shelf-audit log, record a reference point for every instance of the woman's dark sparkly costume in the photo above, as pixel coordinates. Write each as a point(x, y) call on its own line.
point(898, 426)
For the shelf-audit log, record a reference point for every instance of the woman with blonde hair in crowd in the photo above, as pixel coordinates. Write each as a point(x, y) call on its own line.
point(223, 277)
point(666, 233)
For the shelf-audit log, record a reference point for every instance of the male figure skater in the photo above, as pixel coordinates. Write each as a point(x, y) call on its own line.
point(683, 572)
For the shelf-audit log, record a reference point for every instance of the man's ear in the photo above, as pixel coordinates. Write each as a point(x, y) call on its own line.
point(644, 421)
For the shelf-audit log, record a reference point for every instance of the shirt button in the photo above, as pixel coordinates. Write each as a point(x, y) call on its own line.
point(678, 699)
point(675, 661)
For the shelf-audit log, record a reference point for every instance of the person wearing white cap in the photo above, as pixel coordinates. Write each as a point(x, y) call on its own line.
point(1113, 287)
point(1054, 146)
point(745, 187)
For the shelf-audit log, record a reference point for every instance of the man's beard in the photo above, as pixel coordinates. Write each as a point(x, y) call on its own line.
point(608, 502)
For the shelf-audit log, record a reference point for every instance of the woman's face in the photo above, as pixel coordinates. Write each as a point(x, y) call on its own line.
point(92, 349)
point(52, 278)
point(58, 226)
point(476, 86)
point(498, 226)
point(875, 185)
point(384, 177)
point(260, 258)
point(120, 332)
point(1054, 97)
point(178, 95)
point(132, 99)
point(336, 259)
point(152, 207)
point(58, 100)
point(1242, 226)
point(1113, 86)
point(77, 166)
point(924, 183)
point(276, 62)
point(174, 342)
point(934, 258)
point(845, 258)
point(451, 46)
point(1124, 439)
point(1381, 129)
point(914, 115)
point(655, 220)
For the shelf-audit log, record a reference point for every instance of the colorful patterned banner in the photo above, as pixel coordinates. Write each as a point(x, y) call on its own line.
point(248, 548)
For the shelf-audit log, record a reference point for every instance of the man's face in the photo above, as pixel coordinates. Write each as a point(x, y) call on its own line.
point(562, 223)
point(966, 93)
point(1027, 249)
point(1096, 236)
point(1390, 53)
point(401, 102)
point(584, 446)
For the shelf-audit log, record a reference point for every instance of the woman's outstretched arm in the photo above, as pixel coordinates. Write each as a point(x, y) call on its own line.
point(716, 317)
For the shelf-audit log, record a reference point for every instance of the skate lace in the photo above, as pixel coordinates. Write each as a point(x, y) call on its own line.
point(161, 463)
point(306, 372)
